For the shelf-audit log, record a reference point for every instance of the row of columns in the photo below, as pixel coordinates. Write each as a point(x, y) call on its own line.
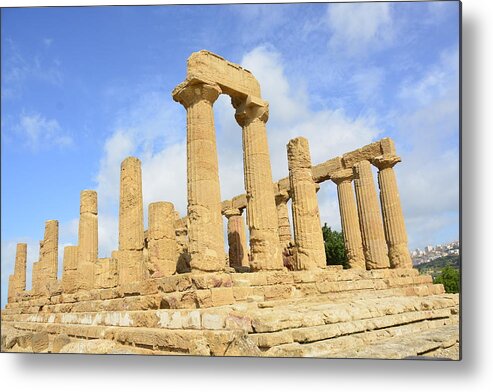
point(205, 228)
point(374, 233)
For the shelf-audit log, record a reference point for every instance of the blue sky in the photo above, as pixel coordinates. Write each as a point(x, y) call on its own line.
point(82, 88)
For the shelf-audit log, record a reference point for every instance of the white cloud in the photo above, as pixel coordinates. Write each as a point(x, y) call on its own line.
point(18, 69)
point(39, 132)
point(148, 128)
point(437, 81)
point(330, 132)
point(358, 28)
point(47, 42)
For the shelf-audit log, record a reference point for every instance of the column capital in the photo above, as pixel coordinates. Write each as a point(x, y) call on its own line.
point(250, 109)
point(344, 175)
point(282, 196)
point(192, 91)
point(385, 161)
point(230, 212)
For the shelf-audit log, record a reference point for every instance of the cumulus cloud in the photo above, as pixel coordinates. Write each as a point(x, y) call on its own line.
point(358, 28)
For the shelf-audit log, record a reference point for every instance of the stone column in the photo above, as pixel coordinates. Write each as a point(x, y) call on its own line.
point(349, 218)
point(49, 250)
point(284, 227)
point(130, 258)
point(238, 252)
point(370, 218)
point(87, 250)
point(70, 277)
point(205, 224)
point(308, 237)
point(17, 281)
point(393, 218)
point(181, 232)
point(45, 270)
point(163, 249)
point(261, 216)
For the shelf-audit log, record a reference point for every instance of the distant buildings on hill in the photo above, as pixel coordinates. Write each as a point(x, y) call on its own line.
point(431, 252)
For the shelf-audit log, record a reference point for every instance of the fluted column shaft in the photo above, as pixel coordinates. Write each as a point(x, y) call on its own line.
point(308, 237)
point(131, 222)
point(370, 218)
point(49, 250)
point(17, 281)
point(349, 219)
point(163, 250)
point(130, 256)
point(87, 249)
point(70, 277)
point(393, 218)
point(205, 229)
point(238, 253)
point(261, 216)
point(284, 226)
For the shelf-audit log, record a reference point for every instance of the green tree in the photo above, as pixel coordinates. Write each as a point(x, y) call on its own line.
point(335, 253)
point(450, 278)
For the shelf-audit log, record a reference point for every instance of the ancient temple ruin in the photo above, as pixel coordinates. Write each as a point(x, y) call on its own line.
point(177, 288)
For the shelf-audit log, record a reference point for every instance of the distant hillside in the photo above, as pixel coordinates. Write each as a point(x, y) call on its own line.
point(434, 267)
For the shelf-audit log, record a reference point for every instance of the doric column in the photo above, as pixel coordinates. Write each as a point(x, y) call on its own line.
point(131, 223)
point(349, 218)
point(163, 249)
point(284, 227)
point(370, 218)
point(393, 218)
point(130, 258)
point(308, 237)
point(70, 277)
point(87, 249)
point(17, 281)
point(261, 216)
point(49, 250)
point(205, 224)
point(238, 252)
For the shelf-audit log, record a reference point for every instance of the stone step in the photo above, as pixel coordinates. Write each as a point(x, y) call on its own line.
point(271, 285)
point(329, 331)
point(349, 346)
point(207, 298)
point(166, 341)
point(272, 320)
point(400, 347)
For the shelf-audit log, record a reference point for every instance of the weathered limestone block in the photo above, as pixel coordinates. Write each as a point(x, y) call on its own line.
point(205, 224)
point(130, 256)
point(131, 266)
point(70, 277)
point(238, 252)
point(393, 218)
point(17, 281)
point(308, 238)
point(232, 78)
point(323, 171)
point(106, 273)
point(261, 207)
point(163, 249)
point(370, 218)
point(349, 218)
